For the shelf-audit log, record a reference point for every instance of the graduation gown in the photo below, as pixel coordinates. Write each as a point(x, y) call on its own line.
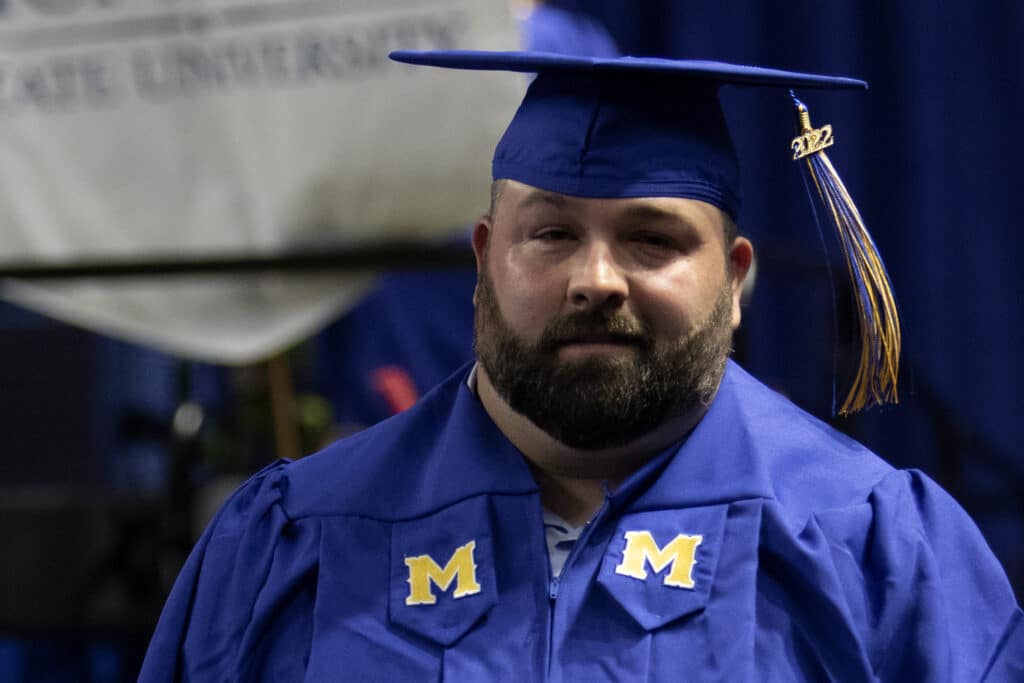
point(765, 547)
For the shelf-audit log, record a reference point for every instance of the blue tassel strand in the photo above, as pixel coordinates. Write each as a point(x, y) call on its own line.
point(879, 324)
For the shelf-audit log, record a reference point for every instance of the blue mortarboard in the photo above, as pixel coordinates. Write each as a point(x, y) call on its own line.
point(650, 127)
point(622, 127)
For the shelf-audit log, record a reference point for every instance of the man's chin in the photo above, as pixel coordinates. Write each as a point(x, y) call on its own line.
point(595, 373)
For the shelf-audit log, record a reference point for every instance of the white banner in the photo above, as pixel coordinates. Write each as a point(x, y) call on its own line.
point(142, 128)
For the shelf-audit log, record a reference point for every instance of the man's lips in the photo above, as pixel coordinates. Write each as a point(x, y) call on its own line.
point(599, 340)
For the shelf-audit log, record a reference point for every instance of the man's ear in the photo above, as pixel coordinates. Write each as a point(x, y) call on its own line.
point(741, 256)
point(481, 236)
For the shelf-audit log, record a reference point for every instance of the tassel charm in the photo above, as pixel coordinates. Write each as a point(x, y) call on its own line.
point(811, 140)
point(879, 323)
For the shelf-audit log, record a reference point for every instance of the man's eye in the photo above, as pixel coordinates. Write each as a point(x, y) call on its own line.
point(652, 240)
point(553, 235)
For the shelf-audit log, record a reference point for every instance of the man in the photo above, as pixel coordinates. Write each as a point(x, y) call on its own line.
point(603, 496)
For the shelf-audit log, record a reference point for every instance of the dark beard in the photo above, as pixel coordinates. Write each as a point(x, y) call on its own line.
point(601, 402)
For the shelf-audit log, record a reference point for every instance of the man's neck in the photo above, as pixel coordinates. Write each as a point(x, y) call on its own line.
point(573, 482)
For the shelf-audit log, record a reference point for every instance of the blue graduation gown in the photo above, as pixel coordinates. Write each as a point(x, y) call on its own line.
point(803, 557)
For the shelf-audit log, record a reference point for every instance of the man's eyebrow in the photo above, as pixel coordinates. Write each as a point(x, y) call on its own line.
point(640, 214)
point(650, 212)
point(540, 197)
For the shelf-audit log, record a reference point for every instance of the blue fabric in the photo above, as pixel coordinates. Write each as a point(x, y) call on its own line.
point(622, 127)
point(818, 561)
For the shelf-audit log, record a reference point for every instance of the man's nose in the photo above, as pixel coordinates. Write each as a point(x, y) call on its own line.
point(597, 280)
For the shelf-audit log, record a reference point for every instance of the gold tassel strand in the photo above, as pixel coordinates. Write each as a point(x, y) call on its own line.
point(880, 337)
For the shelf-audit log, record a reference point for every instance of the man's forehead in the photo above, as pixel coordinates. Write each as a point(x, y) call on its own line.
point(519, 197)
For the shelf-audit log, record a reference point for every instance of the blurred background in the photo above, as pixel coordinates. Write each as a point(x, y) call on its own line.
point(232, 231)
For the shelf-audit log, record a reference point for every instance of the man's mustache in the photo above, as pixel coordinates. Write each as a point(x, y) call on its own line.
point(594, 327)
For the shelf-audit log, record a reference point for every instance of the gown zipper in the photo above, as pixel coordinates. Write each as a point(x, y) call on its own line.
point(555, 581)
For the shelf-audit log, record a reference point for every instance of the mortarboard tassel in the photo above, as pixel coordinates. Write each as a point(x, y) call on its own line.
point(875, 382)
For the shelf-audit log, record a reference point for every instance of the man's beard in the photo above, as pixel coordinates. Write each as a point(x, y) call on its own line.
point(599, 401)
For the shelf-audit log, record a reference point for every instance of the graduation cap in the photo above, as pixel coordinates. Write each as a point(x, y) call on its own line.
point(651, 127)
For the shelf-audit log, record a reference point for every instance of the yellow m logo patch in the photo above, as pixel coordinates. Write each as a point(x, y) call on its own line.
point(424, 571)
point(642, 550)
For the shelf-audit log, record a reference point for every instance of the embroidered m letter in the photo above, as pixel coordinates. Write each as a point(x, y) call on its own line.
point(460, 568)
point(641, 550)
